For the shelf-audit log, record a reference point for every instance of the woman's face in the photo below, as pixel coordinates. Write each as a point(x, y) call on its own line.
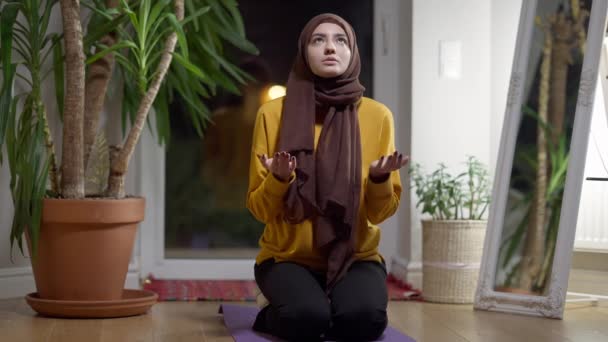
point(328, 51)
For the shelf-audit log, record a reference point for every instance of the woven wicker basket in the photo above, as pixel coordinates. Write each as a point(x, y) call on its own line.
point(451, 255)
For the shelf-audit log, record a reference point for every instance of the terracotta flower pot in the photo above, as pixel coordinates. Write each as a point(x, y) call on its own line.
point(85, 247)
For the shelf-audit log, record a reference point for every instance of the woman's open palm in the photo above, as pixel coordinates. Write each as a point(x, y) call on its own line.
point(386, 165)
point(282, 164)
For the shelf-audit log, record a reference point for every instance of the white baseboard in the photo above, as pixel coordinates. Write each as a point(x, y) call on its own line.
point(407, 271)
point(132, 281)
point(19, 281)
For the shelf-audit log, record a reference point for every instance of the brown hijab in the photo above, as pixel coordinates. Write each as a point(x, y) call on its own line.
point(328, 183)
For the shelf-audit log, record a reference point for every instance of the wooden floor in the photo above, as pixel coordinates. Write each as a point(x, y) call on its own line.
point(199, 321)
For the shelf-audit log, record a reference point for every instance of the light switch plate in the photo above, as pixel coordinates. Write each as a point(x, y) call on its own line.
point(450, 59)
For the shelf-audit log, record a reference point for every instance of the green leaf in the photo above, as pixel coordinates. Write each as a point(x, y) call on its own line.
point(46, 14)
point(8, 17)
point(6, 97)
point(190, 8)
point(179, 75)
point(10, 138)
point(186, 93)
point(131, 98)
point(516, 239)
point(28, 165)
point(181, 36)
point(157, 10)
point(96, 32)
point(149, 125)
point(22, 47)
point(127, 10)
point(227, 66)
point(194, 16)
point(236, 16)
point(222, 80)
point(113, 48)
point(53, 39)
point(238, 42)
point(236, 22)
point(99, 11)
point(126, 64)
point(191, 67)
point(39, 187)
point(142, 20)
point(163, 126)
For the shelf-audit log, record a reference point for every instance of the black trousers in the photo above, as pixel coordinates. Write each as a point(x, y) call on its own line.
point(300, 309)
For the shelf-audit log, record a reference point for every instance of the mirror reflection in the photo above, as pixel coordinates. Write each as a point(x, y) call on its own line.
point(540, 163)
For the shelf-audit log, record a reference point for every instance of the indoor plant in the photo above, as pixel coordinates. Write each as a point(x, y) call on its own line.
point(453, 237)
point(81, 242)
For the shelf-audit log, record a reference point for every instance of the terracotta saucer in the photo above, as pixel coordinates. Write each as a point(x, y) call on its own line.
point(133, 302)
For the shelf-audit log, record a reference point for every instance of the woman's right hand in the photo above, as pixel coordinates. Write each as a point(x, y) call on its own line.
point(282, 164)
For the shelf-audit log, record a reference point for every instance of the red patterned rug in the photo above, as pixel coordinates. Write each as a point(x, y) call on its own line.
point(243, 290)
point(400, 290)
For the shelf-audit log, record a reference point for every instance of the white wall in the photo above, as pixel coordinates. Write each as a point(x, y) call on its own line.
point(591, 233)
point(503, 32)
point(450, 118)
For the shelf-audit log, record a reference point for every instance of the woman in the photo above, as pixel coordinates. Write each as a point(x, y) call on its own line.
point(332, 176)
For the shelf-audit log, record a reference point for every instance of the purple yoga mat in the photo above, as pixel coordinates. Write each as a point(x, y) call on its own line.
point(239, 319)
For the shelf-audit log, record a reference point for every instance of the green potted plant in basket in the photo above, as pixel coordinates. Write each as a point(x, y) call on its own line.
point(80, 239)
point(453, 236)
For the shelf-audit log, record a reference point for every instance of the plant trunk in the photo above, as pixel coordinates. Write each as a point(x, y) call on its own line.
point(122, 155)
point(98, 78)
point(559, 78)
point(50, 150)
point(532, 258)
point(72, 166)
point(563, 31)
point(579, 15)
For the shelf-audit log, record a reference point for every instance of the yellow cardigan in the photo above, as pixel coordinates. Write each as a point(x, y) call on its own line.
point(286, 242)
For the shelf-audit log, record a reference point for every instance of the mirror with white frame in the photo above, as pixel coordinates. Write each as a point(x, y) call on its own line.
point(541, 160)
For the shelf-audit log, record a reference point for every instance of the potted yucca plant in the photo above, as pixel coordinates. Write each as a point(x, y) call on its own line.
point(453, 236)
point(81, 238)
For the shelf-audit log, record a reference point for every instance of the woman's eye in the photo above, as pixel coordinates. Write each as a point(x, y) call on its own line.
point(342, 40)
point(317, 40)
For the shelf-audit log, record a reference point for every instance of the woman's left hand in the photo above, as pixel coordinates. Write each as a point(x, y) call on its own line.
point(380, 169)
